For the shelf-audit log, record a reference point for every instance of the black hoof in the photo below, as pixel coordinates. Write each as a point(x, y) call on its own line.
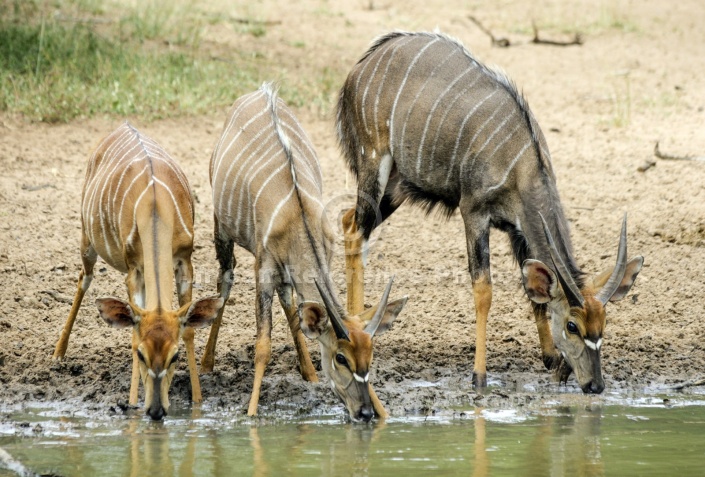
point(563, 371)
point(479, 380)
point(552, 361)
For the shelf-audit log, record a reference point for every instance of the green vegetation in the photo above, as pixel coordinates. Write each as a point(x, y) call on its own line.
point(65, 59)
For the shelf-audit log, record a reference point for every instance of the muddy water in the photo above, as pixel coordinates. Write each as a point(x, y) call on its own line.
point(646, 436)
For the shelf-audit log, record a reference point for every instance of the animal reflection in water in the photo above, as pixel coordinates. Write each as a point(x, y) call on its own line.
point(156, 450)
point(566, 442)
point(560, 441)
point(152, 451)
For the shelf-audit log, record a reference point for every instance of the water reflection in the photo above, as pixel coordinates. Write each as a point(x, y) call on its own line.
point(563, 441)
point(307, 449)
point(482, 461)
point(152, 450)
point(571, 440)
point(567, 443)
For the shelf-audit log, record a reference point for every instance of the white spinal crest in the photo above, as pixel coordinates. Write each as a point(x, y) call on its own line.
point(274, 160)
point(132, 165)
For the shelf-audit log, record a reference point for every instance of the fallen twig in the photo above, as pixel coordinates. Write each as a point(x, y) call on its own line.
point(505, 43)
point(646, 166)
point(688, 384)
point(500, 42)
point(660, 155)
point(577, 40)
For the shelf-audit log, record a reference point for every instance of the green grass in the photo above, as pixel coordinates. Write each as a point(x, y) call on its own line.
point(145, 62)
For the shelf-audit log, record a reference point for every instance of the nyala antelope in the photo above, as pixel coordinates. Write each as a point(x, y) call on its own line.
point(137, 214)
point(420, 119)
point(267, 189)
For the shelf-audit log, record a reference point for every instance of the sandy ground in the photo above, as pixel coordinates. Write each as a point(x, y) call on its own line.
point(636, 79)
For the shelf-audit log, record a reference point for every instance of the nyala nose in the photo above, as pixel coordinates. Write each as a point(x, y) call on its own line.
point(156, 414)
point(594, 387)
point(365, 414)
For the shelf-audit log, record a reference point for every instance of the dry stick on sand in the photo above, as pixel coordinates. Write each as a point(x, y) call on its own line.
point(577, 40)
point(660, 155)
point(501, 42)
point(505, 43)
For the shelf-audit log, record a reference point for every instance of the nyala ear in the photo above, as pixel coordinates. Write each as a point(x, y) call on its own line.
point(200, 313)
point(314, 319)
point(391, 311)
point(632, 270)
point(117, 313)
point(539, 281)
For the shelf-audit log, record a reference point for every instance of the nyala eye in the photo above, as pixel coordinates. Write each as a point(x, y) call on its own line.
point(572, 327)
point(341, 359)
point(140, 356)
point(174, 358)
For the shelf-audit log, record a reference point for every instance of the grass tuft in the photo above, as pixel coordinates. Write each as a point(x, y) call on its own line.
point(60, 65)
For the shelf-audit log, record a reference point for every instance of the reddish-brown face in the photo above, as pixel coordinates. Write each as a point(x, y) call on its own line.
point(158, 354)
point(349, 374)
point(157, 345)
point(346, 355)
point(578, 334)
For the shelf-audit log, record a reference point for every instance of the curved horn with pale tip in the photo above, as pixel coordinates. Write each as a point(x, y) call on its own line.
point(620, 268)
point(570, 289)
point(341, 332)
point(373, 324)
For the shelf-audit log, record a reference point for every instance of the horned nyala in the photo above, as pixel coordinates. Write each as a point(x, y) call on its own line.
point(137, 214)
point(267, 198)
point(420, 119)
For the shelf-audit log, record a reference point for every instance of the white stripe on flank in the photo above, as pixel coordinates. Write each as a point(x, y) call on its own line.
point(126, 193)
point(314, 198)
point(104, 173)
point(267, 181)
point(275, 212)
point(217, 154)
point(246, 182)
point(396, 47)
point(294, 127)
point(494, 133)
point(433, 110)
point(421, 90)
point(507, 137)
point(134, 211)
point(401, 88)
point(243, 167)
point(509, 169)
point(367, 88)
point(461, 131)
point(360, 74)
point(176, 207)
point(224, 154)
